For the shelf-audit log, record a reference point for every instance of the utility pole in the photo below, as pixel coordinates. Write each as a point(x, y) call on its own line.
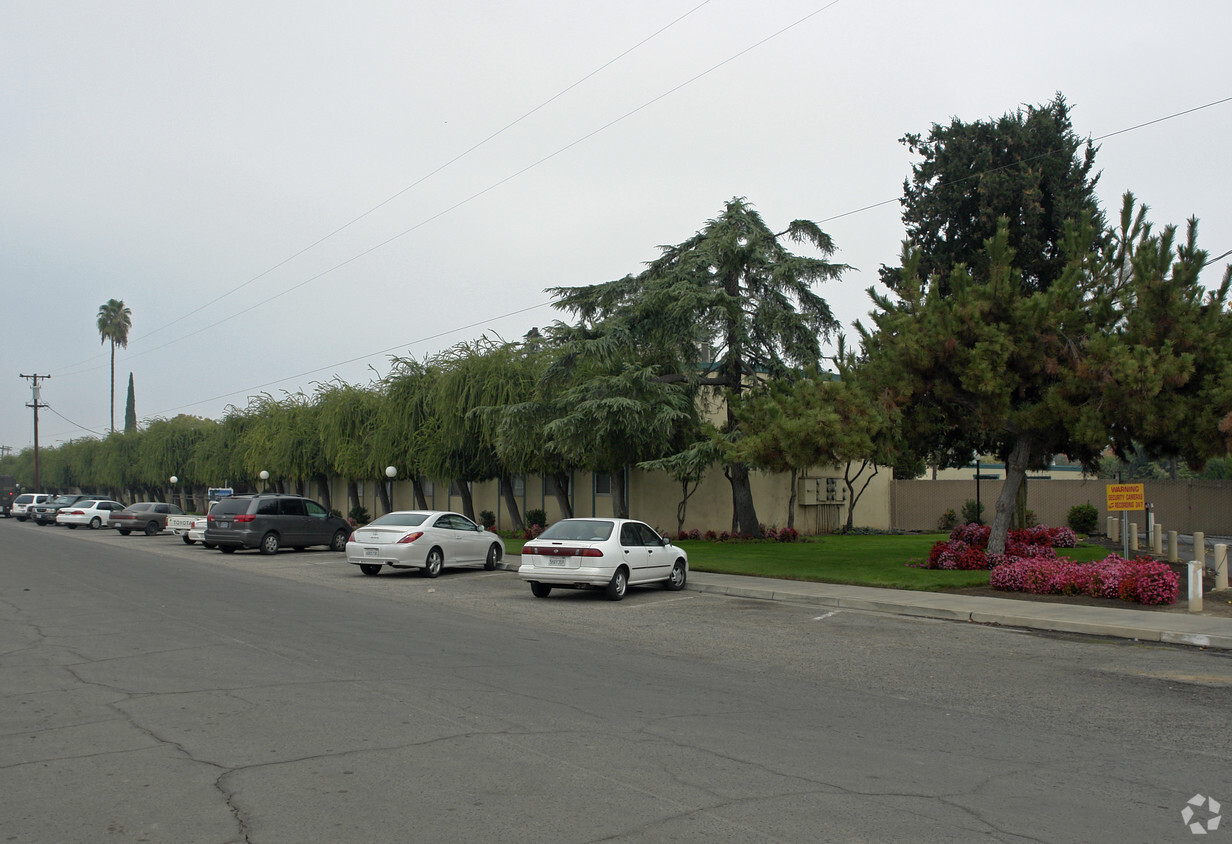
point(36, 404)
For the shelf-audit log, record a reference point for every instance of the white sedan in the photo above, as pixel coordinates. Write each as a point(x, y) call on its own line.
point(612, 554)
point(427, 540)
point(94, 512)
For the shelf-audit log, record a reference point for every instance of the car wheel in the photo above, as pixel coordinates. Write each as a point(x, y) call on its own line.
point(124, 531)
point(227, 549)
point(269, 543)
point(370, 568)
point(187, 541)
point(151, 528)
point(207, 545)
point(493, 557)
point(340, 541)
point(540, 590)
point(71, 527)
point(434, 563)
point(675, 580)
point(618, 586)
point(95, 523)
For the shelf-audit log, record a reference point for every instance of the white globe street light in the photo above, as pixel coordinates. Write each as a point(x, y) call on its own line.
point(391, 472)
point(264, 476)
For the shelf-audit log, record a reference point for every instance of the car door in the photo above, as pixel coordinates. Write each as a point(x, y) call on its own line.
point(318, 527)
point(293, 522)
point(450, 537)
point(472, 540)
point(633, 551)
point(658, 557)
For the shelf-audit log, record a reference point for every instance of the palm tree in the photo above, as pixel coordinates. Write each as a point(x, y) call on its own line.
point(114, 322)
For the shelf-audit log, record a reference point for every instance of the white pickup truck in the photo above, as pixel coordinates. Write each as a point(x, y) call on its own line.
point(181, 525)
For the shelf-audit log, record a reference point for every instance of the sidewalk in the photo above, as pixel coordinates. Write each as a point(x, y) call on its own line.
point(1143, 625)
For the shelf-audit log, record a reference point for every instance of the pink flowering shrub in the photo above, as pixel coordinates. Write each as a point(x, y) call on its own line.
point(1141, 580)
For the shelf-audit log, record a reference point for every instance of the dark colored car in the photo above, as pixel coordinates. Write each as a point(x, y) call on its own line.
point(45, 513)
point(147, 516)
point(271, 520)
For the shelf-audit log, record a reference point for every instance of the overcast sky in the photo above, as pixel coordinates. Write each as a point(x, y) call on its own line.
point(288, 192)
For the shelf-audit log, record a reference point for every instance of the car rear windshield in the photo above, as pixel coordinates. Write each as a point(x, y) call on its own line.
point(399, 520)
point(230, 506)
point(579, 530)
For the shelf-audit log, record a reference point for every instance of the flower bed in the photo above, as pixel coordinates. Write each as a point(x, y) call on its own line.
point(1142, 580)
point(770, 533)
point(1030, 564)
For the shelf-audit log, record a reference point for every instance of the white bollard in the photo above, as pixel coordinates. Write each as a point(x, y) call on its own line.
point(1157, 540)
point(1221, 566)
point(1195, 586)
point(1133, 536)
point(1199, 549)
point(1114, 528)
point(1172, 543)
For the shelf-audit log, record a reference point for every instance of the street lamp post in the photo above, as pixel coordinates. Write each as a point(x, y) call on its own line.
point(391, 472)
point(264, 476)
point(174, 492)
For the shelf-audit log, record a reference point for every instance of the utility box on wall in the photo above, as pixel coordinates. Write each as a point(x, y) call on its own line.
point(809, 492)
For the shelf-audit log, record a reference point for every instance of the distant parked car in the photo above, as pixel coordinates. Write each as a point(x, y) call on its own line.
point(147, 516)
point(612, 554)
point(23, 502)
point(196, 533)
point(270, 520)
point(424, 539)
point(45, 513)
point(94, 512)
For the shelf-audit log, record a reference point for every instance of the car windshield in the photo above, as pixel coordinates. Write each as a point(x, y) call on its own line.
point(64, 499)
point(399, 520)
point(579, 530)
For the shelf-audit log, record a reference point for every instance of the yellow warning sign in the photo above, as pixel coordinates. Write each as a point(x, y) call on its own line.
point(1125, 497)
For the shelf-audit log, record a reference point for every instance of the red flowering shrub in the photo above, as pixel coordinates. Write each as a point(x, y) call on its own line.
point(1142, 580)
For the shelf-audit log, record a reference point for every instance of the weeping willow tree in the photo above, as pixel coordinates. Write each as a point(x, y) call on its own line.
point(408, 422)
point(347, 419)
point(474, 378)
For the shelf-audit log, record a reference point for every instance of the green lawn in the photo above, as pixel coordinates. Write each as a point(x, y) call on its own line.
point(858, 560)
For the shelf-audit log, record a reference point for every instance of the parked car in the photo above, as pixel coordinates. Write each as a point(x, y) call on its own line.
point(147, 516)
point(196, 533)
point(45, 513)
point(23, 502)
point(612, 554)
point(8, 491)
point(94, 512)
point(270, 520)
point(427, 540)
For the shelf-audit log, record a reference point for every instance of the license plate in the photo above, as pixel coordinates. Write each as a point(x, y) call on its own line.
point(224, 525)
point(560, 563)
point(369, 552)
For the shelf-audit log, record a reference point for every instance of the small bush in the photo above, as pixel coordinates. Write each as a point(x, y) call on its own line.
point(948, 520)
point(1083, 518)
point(1031, 519)
point(487, 518)
point(972, 512)
point(360, 514)
point(536, 517)
point(1143, 580)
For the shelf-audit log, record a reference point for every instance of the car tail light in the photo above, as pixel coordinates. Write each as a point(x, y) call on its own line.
point(245, 517)
point(73, 512)
point(210, 517)
point(351, 538)
point(410, 537)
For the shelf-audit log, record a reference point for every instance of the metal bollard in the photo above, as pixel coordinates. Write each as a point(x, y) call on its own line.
point(1172, 543)
point(1221, 566)
point(1195, 586)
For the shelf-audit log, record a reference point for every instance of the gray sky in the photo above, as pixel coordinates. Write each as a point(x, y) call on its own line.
point(198, 160)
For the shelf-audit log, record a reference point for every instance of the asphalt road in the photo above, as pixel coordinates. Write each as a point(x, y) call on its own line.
point(157, 692)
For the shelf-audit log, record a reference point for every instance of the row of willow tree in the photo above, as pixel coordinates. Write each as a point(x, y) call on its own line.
point(1019, 323)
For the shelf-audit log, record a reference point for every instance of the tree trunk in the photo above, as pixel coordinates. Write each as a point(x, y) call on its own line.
point(352, 497)
point(1015, 474)
point(791, 501)
point(620, 506)
point(511, 503)
point(558, 483)
point(382, 488)
point(417, 487)
point(852, 495)
point(468, 500)
point(323, 492)
point(743, 511)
